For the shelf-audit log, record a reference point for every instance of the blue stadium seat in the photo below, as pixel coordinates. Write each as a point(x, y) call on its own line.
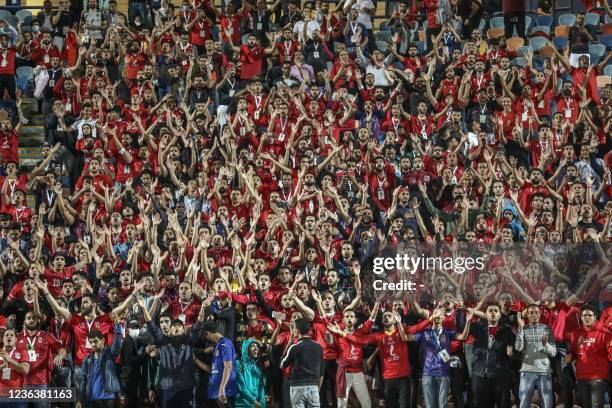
point(420, 47)
point(591, 19)
point(22, 14)
point(383, 36)
point(544, 20)
point(520, 61)
point(381, 46)
point(606, 40)
point(567, 19)
point(526, 49)
point(597, 49)
point(5, 13)
point(12, 20)
point(541, 29)
point(594, 59)
point(384, 27)
point(608, 70)
point(537, 43)
point(497, 22)
point(560, 42)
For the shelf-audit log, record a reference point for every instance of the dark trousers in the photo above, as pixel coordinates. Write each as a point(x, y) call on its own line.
point(108, 403)
point(176, 398)
point(7, 81)
point(457, 385)
point(565, 380)
point(397, 393)
point(327, 394)
point(490, 392)
point(429, 33)
point(591, 393)
point(516, 19)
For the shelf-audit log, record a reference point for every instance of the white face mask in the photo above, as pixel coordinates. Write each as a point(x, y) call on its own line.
point(133, 333)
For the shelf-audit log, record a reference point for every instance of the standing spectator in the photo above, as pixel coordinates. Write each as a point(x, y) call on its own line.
point(222, 384)
point(514, 16)
point(535, 341)
point(591, 349)
point(14, 365)
point(250, 390)
point(306, 360)
point(99, 382)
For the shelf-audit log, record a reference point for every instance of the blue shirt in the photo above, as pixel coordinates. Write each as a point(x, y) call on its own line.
point(432, 342)
point(224, 351)
point(97, 383)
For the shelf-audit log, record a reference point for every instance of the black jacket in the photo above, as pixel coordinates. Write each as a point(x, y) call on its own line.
point(176, 367)
point(491, 362)
point(306, 358)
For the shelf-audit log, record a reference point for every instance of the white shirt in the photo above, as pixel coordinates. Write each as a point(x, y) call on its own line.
point(298, 29)
point(362, 6)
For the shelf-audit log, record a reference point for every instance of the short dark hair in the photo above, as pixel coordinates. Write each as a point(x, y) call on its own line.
point(210, 326)
point(302, 326)
point(95, 334)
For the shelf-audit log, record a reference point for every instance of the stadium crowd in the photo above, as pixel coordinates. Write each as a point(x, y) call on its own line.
point(217, 181)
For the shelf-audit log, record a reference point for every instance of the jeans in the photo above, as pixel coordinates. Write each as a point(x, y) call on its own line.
point(435, 391)
point(176, 398)
point(397, 392)
point(531, 381)
point(591, 393)
point(304, 396)
point(357, 382)
point(137, 8)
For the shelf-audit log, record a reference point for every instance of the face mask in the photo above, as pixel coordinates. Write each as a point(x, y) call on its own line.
point(133, 333)
point(35, 29)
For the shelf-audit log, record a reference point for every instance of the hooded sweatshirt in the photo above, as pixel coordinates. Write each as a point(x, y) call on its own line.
point(592, 348)
point(250, 385)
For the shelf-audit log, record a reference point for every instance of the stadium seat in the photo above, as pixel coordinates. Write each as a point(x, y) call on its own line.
point(544, 20)
point(560, 42)
point(545, 52)
point(597, 49)
point(22, 14)
point(482, 24)
point(384, 27)
point(537, 43)
point(495, 33)
point(606, 40)
point(606, 29)
point(603, 80)
point(562, 31)
point(23, 77)
point(497, 22)
point(520, 61)
point(5, 13)
point(526, 49)
point(27, 21)
point(594, 59)
point(591, 19)
point(245, 39)
point(381, 46)
point(383, 36)
point(608, 70)
point(12, 20)
point(567, 19)
point(540, 29)
point(420, 47)
point(515, 43)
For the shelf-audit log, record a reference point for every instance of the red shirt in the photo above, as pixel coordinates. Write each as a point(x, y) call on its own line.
point(9, 143)
point(38, 351)
point(15, 379)
point(81, 329)
point(7, 61)
point(54, 279)
point(42, 55)
point(349, 352)
point(592, 349)
point(185, 312)
point(135, 63)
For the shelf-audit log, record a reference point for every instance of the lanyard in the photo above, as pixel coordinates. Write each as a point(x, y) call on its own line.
point(31, 344)
point(184, 308)
point(89, 324)
point(354, 27)
point(19, 213)
point(287, 47)
point(283, 125)
point(231, 83)
point(12, 186)
point(479, 80)
point(50, 195)
point(257, 101)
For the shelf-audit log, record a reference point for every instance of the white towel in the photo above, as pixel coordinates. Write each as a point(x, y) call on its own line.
point(41, 78)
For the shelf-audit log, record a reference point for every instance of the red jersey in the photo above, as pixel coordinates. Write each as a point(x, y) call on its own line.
point(7, 61)
point(81, 328)
point(54, 279)
point(592, 349)
point(38, 351)
point(185, 312)
point(351, 353)
point(9, 143)
point(11, 378)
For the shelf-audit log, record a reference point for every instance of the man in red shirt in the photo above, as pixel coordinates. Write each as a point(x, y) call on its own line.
point(14, 363)
point(7, 67)
point(58, 271)
point(40, 349)
point(591, 349)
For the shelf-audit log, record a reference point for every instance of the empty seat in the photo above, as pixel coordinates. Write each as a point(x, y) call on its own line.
point(567, 19)
point(537, 43)
point(597, 49)
point(25, 73)
point(603, 80)
point(381, 46)
point(560, 42)
point(515, 43)
point(544, 20)
point(520, 61)
point(5, 13)
point(526, 49)
point(606, 28)
point(384, 27)
point(12, 20)
point(608, 70)
point(591, 19)
point(606, 40)
point(497, 22)
point(495, 33)
point(562, 31)
point(420, 47)
point(22, 14)
point(540, 29)
point(383, 36)
point(594, 59)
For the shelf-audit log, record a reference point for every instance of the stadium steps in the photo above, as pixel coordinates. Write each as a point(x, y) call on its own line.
point(32, 137)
